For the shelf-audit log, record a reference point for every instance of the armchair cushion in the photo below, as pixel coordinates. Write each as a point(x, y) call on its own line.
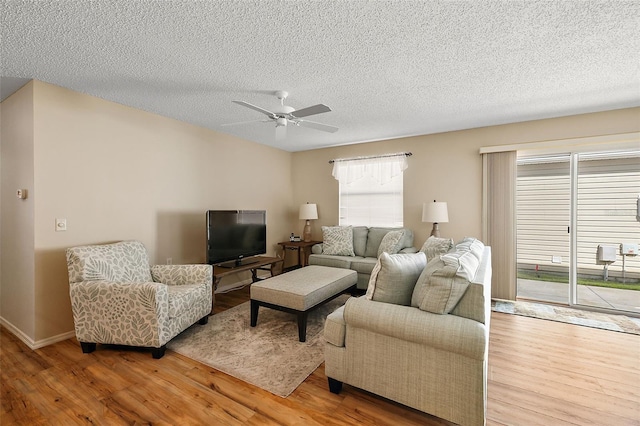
point(124, 262)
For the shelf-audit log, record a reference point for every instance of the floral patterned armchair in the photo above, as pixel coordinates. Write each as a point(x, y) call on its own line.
point(117, 298)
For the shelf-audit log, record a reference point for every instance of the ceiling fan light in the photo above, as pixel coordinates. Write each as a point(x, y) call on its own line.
point(281, 121)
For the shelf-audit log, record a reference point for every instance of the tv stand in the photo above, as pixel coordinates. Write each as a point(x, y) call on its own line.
point(239, 262)
point(252, 264)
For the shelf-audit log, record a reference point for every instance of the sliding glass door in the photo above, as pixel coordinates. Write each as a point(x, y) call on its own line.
point(607, 191)
point(578, 229)
point(543, 212)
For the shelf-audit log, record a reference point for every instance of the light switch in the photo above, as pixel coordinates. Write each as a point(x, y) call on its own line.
point(61, 224)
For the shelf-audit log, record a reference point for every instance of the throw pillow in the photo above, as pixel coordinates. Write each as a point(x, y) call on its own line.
point(337, 240)
point(391, 243)
point(471, 244)
point(444, 291)
point(465, 263)
point(394, 276)
point(435, 246)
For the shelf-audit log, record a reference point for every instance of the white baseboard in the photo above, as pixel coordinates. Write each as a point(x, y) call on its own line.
point(33, 344)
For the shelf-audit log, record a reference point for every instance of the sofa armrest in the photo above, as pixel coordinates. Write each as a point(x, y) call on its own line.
point(129, 314)
point(335, 327)
point(182, 274)
point(317, 248)
point(446, 332)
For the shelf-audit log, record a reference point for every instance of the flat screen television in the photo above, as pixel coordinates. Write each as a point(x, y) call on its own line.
point(233, 235)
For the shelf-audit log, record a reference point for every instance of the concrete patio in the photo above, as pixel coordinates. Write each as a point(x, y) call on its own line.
point(599, 297)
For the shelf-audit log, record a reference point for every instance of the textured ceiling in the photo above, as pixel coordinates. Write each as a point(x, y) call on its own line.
point(387, 69)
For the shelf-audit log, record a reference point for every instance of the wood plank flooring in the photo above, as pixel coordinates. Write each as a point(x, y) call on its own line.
point(540, 373)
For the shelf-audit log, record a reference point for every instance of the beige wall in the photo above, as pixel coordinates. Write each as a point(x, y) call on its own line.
point(118, 173)
point(17, 287)
point(445, 167)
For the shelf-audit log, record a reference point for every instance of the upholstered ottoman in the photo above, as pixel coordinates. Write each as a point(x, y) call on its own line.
point(300, 291)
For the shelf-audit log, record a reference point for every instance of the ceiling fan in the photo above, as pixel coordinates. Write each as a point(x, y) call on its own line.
point(285, 115)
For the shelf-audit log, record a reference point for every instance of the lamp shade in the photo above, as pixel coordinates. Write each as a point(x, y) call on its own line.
point(308, 211)
point(435, 212)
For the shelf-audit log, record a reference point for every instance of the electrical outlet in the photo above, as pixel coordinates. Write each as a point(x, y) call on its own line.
point(169, 261)
point(61, 225)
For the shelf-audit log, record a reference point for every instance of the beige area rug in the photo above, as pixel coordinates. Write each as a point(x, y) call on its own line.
point(613, 322)
point(269, 355)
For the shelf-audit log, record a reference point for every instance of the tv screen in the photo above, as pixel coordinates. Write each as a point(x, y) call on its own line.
point(233, 235)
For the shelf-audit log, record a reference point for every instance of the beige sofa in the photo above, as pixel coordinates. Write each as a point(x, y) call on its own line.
point(365, 244)
point(433, 362)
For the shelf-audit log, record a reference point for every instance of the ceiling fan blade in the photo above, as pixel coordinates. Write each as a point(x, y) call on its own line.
point(317, 126)
point(312, 110)
point(256, 108)
point(245, 122)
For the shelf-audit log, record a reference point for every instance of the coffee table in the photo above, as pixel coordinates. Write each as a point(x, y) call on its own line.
point(300, 291)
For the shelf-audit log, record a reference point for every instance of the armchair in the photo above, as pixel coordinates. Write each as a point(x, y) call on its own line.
point(117, 298)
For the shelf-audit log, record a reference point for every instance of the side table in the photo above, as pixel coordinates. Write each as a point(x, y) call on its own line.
point(302, 247)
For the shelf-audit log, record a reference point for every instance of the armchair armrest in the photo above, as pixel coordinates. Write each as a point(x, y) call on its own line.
point(182, 274)
point(447, 332)
point(128, 314)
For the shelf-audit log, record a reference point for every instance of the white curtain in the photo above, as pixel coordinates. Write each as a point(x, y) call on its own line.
point(381, 169)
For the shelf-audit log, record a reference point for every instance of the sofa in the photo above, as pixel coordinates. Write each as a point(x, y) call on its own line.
point(424, 345)
point(358, 247)
point(117, 298)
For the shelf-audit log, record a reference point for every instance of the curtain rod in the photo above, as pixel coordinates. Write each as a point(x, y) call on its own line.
point(398, 154)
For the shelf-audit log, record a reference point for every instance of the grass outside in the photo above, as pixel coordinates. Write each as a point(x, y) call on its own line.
point(542, 276)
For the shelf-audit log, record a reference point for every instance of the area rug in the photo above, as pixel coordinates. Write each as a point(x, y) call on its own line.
point(269, 355)
point(613, 322)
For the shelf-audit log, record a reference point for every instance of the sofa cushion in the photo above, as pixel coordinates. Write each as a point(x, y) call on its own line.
point(435, 246)
point(394, 276)
point(391, 242)
point(337, 240)
point(360, 240)
point(438, 289)
point(363, 265)
point(331, 260)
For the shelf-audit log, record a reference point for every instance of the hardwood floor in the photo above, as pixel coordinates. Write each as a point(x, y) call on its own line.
point(540, 373)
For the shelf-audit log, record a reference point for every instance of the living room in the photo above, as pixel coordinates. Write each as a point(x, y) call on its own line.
point(116, 172)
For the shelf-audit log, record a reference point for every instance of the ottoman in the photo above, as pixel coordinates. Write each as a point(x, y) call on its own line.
point(300, 291)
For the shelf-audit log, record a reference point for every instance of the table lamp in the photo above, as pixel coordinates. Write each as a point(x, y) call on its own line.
point(435, 212)
point(308, 212)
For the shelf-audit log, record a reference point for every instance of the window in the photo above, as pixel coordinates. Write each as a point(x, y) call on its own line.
point(371, 190)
